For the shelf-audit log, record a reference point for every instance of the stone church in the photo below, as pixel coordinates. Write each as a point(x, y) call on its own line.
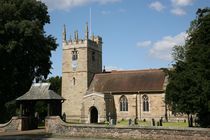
point(94, 95)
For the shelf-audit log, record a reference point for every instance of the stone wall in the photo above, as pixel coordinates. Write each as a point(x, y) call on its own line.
point(16, 123)
point(56, 126)
point(156, 106)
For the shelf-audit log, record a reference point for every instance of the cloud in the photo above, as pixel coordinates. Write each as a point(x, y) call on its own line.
point(105, 12)
point(162, 49)
point(110, 68)
point(104, 1)
point(69, 4)
point(178, 11)
point(157, 6)
point(144, 44)
point(108, 12)
point(179, 5)
point(182, 2)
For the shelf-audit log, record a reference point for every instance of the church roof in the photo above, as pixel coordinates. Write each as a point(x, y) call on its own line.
point(40, 91)
point(128, 81)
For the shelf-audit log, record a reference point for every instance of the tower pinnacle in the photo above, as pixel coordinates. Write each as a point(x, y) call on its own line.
point(86, 31)
point(64, 32)
point(76, 38)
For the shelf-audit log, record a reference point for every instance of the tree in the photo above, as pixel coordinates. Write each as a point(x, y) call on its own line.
point(188, 90)
point(55, 84)
point(25, 49)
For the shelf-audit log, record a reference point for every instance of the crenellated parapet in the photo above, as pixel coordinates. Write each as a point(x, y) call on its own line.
point(87, 41)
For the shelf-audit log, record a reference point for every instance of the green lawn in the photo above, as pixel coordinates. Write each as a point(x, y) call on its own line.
point(175, 124)
point(148, 123)
point(140, 123)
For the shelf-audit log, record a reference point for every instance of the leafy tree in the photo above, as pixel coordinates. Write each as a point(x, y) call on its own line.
point(188, 90)
point(25, 49)
point(178, 53)
point(55, 84)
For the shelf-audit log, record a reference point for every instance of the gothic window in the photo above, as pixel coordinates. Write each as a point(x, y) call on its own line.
point(93, 56)
point(145, 103)
point(123, 103)
point(74, 54)
point(74, 80)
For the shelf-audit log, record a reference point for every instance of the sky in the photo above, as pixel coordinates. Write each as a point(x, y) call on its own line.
point(136, 34)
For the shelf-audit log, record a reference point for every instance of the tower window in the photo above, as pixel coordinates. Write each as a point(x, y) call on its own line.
point(93, 56)
point(74, 80)
point(74, 54)
point(123, 103)
point(145, 103)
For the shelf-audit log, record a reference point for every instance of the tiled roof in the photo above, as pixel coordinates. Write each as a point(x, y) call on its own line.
point(128, 81)
point(40, 91)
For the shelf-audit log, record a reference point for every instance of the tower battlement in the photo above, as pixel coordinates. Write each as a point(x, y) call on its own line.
point(94, 41)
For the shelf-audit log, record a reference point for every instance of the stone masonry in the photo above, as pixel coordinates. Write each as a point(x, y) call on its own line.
point(78, 73)
point(56, 126)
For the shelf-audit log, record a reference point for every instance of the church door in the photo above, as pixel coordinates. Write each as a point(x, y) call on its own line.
point(93, 115)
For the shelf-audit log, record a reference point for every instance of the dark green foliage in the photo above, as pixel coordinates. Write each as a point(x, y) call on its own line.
point(188, 90)
point(25, 49)
point(41, 108)
point(55, 84)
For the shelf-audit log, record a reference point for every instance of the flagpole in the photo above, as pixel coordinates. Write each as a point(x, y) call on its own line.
point(90, 22)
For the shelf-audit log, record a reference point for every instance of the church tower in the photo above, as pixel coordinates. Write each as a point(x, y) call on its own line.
point(82, 58)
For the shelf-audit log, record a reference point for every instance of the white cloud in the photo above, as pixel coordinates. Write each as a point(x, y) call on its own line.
point(144, 43)
point(110, 68)
point(68, 4)
point(157, 6)
point(108, 12)
point(105, 12)
point(179, 5)
point(162, 49)
point(182, 2)
point(104, 1)
point(178, 11)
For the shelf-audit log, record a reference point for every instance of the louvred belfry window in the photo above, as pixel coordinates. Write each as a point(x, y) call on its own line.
point(74, 54)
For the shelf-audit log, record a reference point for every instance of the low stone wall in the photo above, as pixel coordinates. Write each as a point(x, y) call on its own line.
point(15, 124)
point(56, 126)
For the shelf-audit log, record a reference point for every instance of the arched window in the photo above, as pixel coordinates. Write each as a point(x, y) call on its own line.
point(74, 80)
point(123, 103)
point(145, 103)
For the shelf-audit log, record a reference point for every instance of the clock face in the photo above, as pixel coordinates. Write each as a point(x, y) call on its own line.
point(74, 64)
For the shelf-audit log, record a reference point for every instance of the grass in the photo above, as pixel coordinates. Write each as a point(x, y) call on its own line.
point(148, 123)
point(176, 124)
point(124, 123)
point(140, 123)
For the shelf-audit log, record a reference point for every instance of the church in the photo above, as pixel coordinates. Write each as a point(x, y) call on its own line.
point(93, 95)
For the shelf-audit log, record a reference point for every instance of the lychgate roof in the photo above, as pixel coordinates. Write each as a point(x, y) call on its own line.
point(40, 91)
point(128, 81)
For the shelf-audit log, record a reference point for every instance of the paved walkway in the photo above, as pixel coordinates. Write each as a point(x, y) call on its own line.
point(20, 133)
point(37, 134)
